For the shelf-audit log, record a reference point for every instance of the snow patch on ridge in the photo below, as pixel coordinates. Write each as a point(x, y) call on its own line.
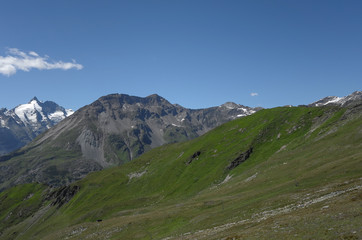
point(2, 123)
point(355, 96)
point(69, 112)
point(335, 99)
point(56, 116)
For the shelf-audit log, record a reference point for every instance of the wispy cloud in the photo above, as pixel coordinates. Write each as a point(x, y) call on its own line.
point(18, 60)
point(253, 94)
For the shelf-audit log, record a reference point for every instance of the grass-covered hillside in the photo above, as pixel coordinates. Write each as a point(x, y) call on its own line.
point(282, 173)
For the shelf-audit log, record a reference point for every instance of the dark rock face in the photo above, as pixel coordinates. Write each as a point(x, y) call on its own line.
point(13, 132)
point(194, 156)
point(111, 131)
point(240, 159)
point(62, 195)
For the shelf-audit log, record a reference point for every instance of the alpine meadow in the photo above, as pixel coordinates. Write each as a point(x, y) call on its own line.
point(181, 120)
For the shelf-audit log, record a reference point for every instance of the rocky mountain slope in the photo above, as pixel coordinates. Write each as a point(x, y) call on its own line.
point(23, 123)
point(291, 172)
point(111, 131)
point(352, 99)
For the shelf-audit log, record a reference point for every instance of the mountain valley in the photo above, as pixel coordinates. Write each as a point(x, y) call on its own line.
point(287, 172)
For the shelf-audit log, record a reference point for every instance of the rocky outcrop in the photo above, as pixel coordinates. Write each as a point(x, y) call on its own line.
point(194, 156)
point(62, 195)
point(240, 159)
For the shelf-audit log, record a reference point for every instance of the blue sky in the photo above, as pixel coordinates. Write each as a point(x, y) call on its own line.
point(198, 53)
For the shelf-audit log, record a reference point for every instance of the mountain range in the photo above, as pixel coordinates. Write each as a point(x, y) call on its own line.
point(23, 123)
point(111, 131)
point(352, 99)
point(280, 173)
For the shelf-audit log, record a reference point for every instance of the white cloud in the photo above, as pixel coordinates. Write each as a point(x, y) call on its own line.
point(34, 54)
point(18, 60)
point(253, 94)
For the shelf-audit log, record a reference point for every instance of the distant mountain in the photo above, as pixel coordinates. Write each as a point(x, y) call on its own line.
point(354, 98)
point(23, 123)
point(111, 131)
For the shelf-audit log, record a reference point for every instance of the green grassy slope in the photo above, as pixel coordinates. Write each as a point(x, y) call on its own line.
point(26, 162)
point(302, 179)
point(19, 203)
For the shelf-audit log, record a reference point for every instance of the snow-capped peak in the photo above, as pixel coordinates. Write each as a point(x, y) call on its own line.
point(230, 105)
point(26, 121)
point(29, 112)
point(39, 114)
point(35, 99)
point(237, 109)
point(333, 100)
